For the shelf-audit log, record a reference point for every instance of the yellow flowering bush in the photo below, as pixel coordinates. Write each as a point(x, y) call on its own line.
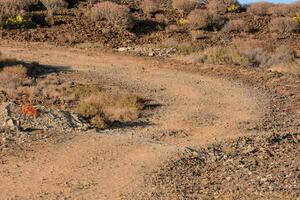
point(233, 8)
point(182, 22)
point(297, 17)
point(17, 20)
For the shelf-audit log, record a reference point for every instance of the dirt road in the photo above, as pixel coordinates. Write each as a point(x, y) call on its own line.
point(193, 110)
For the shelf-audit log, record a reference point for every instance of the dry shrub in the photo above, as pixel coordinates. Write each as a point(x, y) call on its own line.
point(296, 4)
point(182, 48)
point(185, 5)
point(237, 25)
point(291, 67)
point(222, 56)
point(258, 57)
point(260, 9)
point(284, 25)
point(243, 44)
point(262, 58)
point(12, 78)
point(284, 10)
point(198, 34)
point(151, 7)
point(202, 19)
point(117, 15)
point(281, 55)
point(53, 6)
point(199, 19)
point(174, 29)
point(253, 49)
point(18, 71)
point(103, 107)
point(220, 5)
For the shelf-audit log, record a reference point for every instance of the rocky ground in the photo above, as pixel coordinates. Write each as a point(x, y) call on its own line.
point(260, 167)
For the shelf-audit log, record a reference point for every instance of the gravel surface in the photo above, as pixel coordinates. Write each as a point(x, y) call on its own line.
point(258, 167)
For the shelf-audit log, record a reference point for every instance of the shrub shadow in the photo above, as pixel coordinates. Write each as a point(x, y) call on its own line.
point(34, 69)
point(143, 27)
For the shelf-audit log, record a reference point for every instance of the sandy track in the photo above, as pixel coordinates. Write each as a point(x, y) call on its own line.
point(195, 110)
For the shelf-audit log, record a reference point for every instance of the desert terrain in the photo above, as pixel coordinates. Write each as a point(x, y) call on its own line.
point(152, 99)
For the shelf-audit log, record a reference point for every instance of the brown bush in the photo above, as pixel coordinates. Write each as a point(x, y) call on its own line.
point(202, 19)
point(184, 5)
point(237, 25)
point(12, 78)
point(151, 6)
point(117, 15)
point(262, 58)
point(53, 6)
point(260, 9)
point(284, 25)
point(220, 5)
point(284, 10)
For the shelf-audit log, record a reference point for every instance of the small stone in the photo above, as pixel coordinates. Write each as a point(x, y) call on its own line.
point(151, 54)
point(122, 49)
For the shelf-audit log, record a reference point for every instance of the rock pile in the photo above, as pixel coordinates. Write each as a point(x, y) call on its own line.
point(150, 51)
point(48, 119)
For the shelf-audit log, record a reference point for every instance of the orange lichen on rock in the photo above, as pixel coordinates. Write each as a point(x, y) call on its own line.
point(29, 111)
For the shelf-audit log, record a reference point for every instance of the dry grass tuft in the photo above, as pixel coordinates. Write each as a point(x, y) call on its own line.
point(117, 15)
point(103, 107)
point(222, 56)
